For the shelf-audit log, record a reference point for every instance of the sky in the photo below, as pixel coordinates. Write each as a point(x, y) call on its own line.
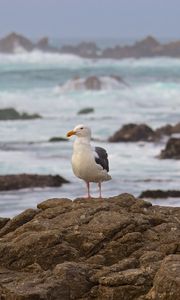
point(91, 19)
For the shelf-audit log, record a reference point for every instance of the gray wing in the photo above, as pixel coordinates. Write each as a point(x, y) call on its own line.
point(101, 158)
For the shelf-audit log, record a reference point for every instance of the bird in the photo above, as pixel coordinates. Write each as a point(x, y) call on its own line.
point(88, 163)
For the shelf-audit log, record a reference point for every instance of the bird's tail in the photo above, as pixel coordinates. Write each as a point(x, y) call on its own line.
point(108, 177)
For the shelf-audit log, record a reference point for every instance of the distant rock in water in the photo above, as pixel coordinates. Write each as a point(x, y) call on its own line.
point(15, 42)
point(56, 139)
point(168, 129)
point(94, 83)
point(118, 248)
point(147, 47)
point(12, 114)
point(85, 111)
point(84, 49)
point(157, 194)
point(172, 149)
point(133, 133)
point(22, 181)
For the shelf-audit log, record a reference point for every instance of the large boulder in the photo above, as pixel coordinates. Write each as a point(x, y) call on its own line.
point(22, 181)
point(172, 149)
point(115, 248)
point(134, 133)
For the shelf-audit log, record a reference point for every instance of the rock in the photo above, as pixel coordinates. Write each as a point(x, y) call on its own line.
point(87, 110)
point(133, 133)
point(84, 49)
point(147, 47)
point(92, 83)
point(167, 280)
point(43, 45)
point(155, 194)
point(12, 114)
point(168, 129)
point(21, 181)
point(55, 139)
point(115, 248)
point(3, 221)
point(13, 42)
point(172, 149)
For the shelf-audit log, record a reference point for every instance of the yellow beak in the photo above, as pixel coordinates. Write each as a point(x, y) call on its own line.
point(70, 133)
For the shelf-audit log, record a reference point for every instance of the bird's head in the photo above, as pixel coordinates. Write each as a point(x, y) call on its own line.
point(81, 131)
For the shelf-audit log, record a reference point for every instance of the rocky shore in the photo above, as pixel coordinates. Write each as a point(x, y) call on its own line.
point(115, 248)
point(147, 47)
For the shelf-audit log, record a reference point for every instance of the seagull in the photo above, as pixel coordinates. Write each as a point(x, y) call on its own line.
point(88, 163)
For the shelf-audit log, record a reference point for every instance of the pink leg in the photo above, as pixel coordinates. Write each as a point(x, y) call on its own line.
point(88, 187)
point(100, 195)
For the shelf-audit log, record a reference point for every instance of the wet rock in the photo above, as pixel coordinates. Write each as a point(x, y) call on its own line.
point(56, 139)
point(12, 114)
point(93, 83)
point(85, 111)
point(133, 133)
point(172, 149)
point(21, 181)
point(84, 49)
point(44, 45)
point(115, 248)
point(13, 41)
point(168, 129)
point(156, 194)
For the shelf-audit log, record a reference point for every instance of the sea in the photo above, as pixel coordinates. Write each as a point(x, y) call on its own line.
point(42, 83)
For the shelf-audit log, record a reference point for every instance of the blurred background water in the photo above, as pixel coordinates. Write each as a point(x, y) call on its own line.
point(42, 83)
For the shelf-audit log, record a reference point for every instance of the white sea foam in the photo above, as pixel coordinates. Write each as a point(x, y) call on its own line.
point(36, 59)
point(78, 84)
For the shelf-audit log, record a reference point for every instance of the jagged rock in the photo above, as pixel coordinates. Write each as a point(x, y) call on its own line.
point(115, 248)
point(12, 114)
point(56, 139)
point(133, 133)
point(172, 149)
point(21, 181)
point(147, 47)
point(168, 129)
point(155, 194)
point(87, 110)
point(13, 42)
point(44, 45)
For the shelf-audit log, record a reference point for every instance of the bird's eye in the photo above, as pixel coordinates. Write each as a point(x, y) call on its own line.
point(81, 128)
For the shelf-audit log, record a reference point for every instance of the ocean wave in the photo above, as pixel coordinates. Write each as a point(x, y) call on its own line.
point(35, 59)
point(92, 83)
point(22, 59)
